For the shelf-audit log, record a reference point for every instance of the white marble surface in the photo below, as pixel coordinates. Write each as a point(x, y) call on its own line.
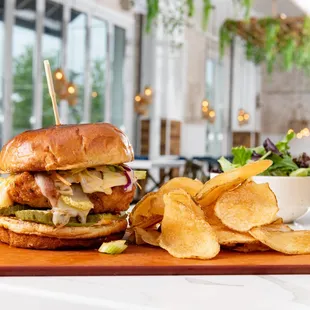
point(184, 292)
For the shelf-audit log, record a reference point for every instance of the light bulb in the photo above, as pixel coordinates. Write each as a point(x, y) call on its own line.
point(246, 116)
point(148, 91)
point(212, 113)
point(71, 89)
point(299, 135)
point(240, 118)
point(94, 94)
point(205, 109)
point(138, 98)
point(205, 103)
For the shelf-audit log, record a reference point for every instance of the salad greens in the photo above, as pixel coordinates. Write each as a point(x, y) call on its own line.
point(283, 163)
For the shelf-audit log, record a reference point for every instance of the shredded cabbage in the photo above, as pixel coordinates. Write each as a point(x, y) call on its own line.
point(140, 175)
point(91, 183)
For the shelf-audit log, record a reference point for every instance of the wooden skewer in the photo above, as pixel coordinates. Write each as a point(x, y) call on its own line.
point(51, 90)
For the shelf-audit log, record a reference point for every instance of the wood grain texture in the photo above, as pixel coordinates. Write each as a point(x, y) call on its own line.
point(144, 261)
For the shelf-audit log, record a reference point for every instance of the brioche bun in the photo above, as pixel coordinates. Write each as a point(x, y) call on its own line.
point(66, 147)
point(24, 234)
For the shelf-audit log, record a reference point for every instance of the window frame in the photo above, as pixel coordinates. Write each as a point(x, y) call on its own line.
point(92, 10)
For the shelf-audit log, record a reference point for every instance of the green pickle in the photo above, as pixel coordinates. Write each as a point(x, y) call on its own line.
point(46, 217)
point(12, 210)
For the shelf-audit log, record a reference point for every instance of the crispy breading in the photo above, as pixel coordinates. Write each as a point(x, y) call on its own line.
point(24, 190)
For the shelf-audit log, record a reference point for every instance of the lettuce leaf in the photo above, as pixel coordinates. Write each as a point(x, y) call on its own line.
point(301, 172)
point(225, 164)
point(241, 155)
point(283, 145)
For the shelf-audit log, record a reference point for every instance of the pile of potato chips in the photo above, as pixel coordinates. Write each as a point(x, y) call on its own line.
point(194, 220)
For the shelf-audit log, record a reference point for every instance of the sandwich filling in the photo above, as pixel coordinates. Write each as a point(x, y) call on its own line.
point(78, 197)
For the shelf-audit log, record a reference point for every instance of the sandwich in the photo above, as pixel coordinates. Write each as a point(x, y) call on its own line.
point(66, 186)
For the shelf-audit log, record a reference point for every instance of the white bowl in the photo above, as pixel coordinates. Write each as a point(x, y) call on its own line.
point(293, 194)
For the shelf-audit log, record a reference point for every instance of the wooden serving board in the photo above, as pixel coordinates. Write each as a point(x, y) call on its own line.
point(138, 260)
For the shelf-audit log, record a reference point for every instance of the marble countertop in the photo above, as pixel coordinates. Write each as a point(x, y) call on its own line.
point(283, 292)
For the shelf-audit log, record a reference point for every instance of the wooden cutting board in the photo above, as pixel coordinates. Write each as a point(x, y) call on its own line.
point(144, 261)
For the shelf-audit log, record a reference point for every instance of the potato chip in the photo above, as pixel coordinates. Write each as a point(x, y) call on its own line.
point(191, 186)
point(282, 240)
point(149, 236)
point(226, 181)
point(184, 230)
point(227, 236)
point(247, 206)
point(146, 212)
point(251, 247)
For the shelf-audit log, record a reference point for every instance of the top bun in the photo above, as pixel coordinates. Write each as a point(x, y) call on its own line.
point(66, 147)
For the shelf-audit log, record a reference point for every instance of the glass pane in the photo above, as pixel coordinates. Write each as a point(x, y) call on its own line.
point(51, 50)
point(23, 45)
point(117, 82)
point(98, 64)
point(214, 76)
point(76, 61)
point(1, 62)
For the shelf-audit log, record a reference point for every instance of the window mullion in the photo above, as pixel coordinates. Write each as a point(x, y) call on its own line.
point(8, 69)
point(87, 72)
point(37, 66)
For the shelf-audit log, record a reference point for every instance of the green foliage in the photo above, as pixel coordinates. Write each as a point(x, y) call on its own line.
point(207, 8)
point(98, 87)
point(23, 93)
point(187, 6)
point(291, 48)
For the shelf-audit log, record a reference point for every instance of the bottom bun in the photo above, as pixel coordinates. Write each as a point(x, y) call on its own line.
point(23, 234)
point(48, 243)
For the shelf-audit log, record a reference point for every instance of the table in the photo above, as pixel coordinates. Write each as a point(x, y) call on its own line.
point(160, 163)
point(145, 293)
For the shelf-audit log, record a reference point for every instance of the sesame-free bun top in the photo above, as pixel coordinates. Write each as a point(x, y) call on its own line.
point(66, 147)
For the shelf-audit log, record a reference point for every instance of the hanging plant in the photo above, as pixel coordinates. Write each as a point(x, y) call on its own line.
point(176, 14)
point(271, 40)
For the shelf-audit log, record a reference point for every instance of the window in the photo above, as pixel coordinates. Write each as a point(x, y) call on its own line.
point(23, 47)
point(51, 50)
point(76, 62)
point(215, 96)
point(1, 62)
point(98, 66)
point(117, 73)
point(88, 45)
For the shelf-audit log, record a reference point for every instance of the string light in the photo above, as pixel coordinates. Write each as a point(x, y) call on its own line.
point(205, 103)
point(299, 135)
point(212, 113)
point(94, 94)
point(148, 91)
point(71, 89)
point(243, 117)
point(58, 74)
point(138, 98)
point(290, 131)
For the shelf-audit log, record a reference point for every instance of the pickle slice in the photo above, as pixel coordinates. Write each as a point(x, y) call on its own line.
point(46, 217)
point(11, 210)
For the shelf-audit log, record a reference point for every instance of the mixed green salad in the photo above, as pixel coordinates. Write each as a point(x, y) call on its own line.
point(283, 163)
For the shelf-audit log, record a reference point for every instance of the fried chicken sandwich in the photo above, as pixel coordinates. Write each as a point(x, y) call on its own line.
point(66, 186)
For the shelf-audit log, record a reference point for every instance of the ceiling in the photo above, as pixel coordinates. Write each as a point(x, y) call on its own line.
point(283, 6)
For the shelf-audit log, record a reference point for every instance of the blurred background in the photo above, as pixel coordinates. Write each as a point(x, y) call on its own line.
point(186, 80)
